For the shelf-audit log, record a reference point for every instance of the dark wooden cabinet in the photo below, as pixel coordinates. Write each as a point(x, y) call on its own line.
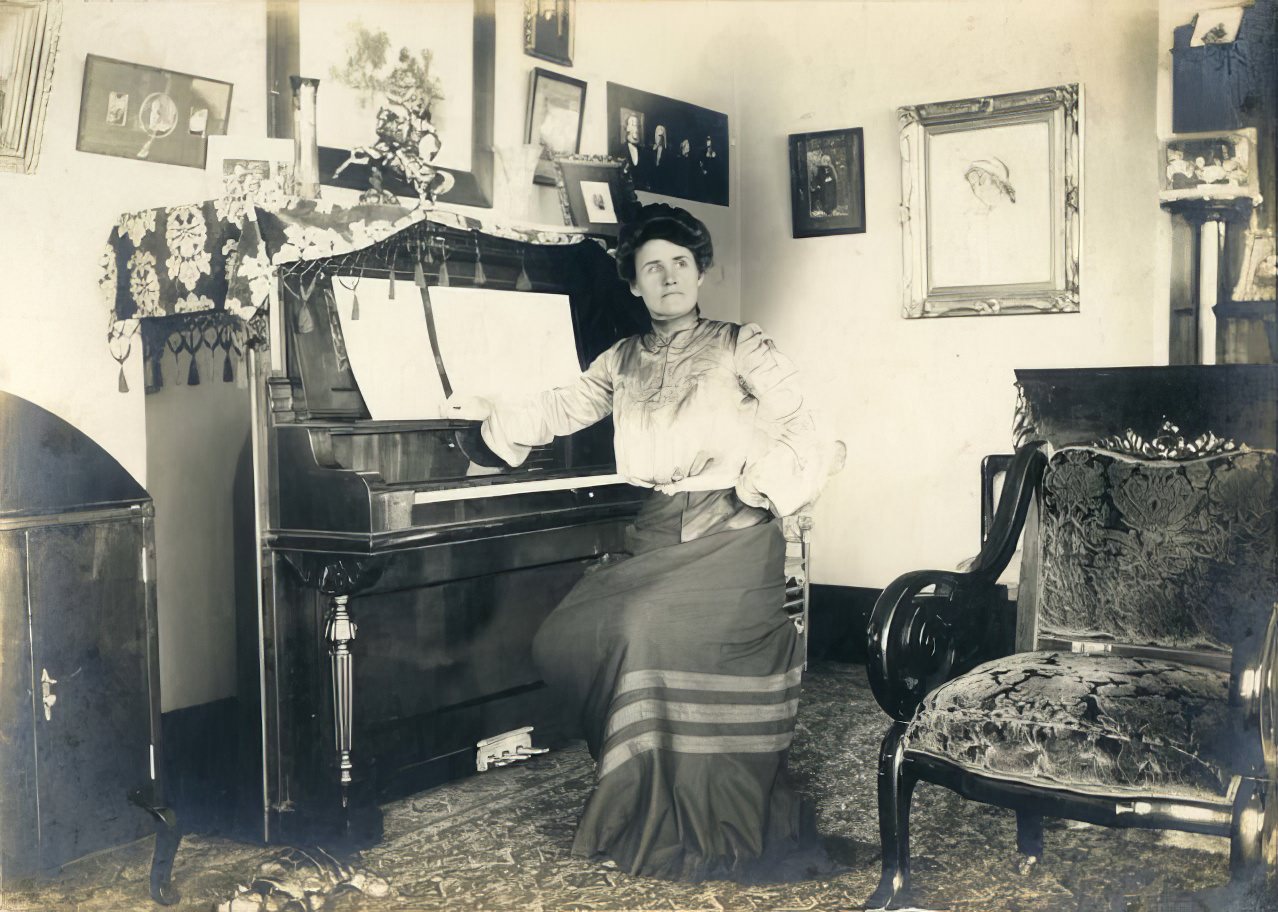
point(79, 676)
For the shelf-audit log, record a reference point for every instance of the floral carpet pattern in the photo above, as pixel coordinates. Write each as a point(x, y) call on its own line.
point(500, 841)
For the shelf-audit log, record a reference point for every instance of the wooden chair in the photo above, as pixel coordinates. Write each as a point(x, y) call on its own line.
point(1138, 685)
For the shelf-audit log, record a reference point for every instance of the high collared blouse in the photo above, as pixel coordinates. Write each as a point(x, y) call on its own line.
point(715, 395)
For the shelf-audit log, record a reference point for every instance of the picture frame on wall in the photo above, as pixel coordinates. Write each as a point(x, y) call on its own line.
point(548, 29)
point(145, 113)
point(595, 193)
point(556, 110)
point(355, 108)
point(30, 32)
point(991, 189)
point(827, 182)
point(669, 146)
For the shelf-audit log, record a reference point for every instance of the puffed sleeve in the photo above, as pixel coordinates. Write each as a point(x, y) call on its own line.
point(790, 458)
point(516, 427)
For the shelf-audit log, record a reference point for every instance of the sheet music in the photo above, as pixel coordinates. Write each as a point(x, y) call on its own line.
point(496, 344)
point(389, 348)
point(504, 344)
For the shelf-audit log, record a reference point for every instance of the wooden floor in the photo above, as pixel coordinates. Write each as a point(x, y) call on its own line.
point(500, 841)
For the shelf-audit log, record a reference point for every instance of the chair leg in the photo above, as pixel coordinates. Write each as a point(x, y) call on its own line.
point(1029, 840)
point(1247, 833)
point(896, 786)
point(167, 837)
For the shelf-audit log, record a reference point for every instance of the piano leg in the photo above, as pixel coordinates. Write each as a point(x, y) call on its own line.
point(340, 631)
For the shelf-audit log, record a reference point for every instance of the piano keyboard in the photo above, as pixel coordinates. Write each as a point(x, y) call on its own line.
point(442, 495)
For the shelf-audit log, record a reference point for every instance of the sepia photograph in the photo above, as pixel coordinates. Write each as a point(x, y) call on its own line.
point(827, 182)
point(621, 455)
point(668, 146)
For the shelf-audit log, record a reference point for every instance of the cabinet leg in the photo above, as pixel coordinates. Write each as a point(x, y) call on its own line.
point(340, 632)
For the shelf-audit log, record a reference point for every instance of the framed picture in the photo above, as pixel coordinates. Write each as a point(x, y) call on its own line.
point(990, 191)
point(149, 114)
point(1209, 166)
point(1256, 277)
point(556, 108)
point(548, 29)
point(30, 33)
point(668, 146)
point(827, 182)
point(390, 76)
point(595, 193)
point(245, 171)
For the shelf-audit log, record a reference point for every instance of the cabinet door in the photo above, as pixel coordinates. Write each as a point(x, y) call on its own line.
point(89, 638)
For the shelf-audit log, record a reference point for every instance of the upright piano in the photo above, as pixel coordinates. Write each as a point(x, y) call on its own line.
point(401, 585)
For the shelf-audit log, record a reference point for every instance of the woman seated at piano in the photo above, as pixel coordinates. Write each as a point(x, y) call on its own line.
point(680, 658)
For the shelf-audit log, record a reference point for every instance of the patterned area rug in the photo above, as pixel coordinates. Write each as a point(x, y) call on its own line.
point(500, 841)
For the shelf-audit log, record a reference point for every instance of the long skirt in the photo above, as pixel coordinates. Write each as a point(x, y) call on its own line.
point(685, 671)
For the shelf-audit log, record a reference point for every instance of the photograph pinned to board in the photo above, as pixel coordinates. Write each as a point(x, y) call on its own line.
point(556, 109)
point(244, 171)
point(145, 113)
point(548, 30)
point(667, 146)
point(827, 182)
point(990, 204)
point(595, 193)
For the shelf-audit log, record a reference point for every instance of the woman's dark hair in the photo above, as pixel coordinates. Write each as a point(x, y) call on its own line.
point(662, 222)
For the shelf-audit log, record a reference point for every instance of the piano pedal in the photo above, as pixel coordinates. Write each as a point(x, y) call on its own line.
point(505, 749)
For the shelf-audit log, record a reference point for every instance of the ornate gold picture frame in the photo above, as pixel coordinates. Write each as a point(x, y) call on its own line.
point(991, 190)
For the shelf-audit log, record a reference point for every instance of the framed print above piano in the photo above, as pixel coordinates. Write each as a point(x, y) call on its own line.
point(384, 67)
point(990, 204)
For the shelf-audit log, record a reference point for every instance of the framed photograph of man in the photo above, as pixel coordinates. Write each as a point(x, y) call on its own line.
point(595, 193)
point(548, 29)
point(827, 182)
point(991, 189)
point(145, 113)
point(556, 105)
point(668, 146)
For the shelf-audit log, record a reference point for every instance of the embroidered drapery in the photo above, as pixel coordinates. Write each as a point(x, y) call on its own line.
point(182, 280)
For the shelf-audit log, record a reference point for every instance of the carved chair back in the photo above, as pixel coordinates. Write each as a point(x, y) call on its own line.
point(1153, 549)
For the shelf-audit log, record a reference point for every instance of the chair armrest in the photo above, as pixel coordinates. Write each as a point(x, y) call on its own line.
point(1024, 474)
point(917, 641)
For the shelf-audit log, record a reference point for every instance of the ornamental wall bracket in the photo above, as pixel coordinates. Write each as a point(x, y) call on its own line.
point(1169, 443)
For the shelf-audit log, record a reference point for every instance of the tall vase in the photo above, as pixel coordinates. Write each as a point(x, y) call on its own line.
point(305, 138)
point(513, 190)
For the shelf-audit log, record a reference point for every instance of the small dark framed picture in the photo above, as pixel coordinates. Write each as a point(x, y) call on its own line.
point(548, 29)
point(595, 193)
point(827, 182)
point(556, 108)
point(144, 113)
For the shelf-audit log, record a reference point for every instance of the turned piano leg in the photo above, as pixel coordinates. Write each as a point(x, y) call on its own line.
point(340, 632)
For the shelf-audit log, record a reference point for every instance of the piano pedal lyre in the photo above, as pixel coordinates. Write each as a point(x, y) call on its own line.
point(505, 749)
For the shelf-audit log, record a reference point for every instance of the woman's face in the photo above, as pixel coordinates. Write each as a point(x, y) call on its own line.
point(667, 278)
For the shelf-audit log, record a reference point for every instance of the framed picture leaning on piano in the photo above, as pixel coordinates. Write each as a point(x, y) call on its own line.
point(595, 193)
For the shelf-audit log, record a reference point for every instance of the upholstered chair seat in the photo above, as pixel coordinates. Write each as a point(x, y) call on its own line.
point(1090, 723)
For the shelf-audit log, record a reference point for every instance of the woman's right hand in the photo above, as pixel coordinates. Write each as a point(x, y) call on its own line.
point(466, 408)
